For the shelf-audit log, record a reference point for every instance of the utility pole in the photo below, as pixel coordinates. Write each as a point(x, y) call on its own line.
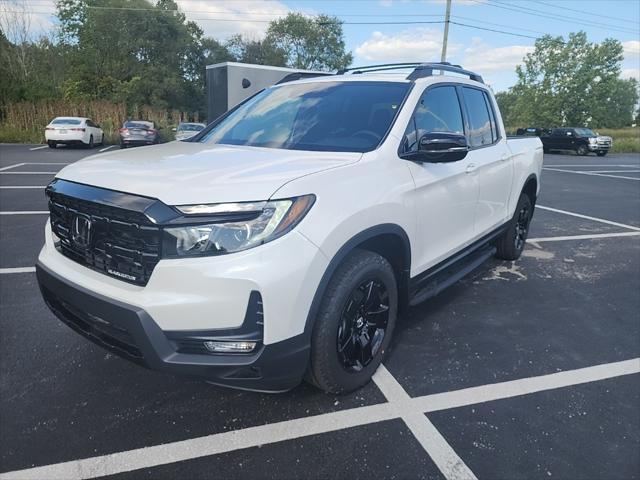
point(447, 17)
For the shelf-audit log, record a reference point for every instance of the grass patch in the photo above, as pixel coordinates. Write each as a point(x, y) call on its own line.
point(625, 140)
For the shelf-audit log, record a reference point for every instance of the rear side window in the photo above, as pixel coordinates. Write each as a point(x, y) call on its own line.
point(492, 119)
point(437, 111)
point(480, 132)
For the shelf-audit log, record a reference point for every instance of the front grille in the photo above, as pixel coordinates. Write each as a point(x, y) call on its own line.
point(96, 329)
point(122, 243)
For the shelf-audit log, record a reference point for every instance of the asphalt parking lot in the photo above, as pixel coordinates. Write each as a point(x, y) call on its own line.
point(521, 370)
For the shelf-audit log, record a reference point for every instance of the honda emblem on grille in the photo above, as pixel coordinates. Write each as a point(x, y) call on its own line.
point(81, 231)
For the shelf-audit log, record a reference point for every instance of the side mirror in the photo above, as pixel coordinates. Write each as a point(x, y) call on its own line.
point(441, 148)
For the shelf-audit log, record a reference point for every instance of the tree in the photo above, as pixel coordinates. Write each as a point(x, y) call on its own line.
point(572, 82)
point(315, 43)
point(255, 51)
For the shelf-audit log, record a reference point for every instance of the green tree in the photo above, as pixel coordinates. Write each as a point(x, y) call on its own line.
point(248, 50)
point(315, 43)
point(572, 82)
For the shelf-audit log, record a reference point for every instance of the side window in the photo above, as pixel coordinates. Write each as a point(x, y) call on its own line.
point(437, 111)
point(479, 122)
point(492, 119)
point(90, 123)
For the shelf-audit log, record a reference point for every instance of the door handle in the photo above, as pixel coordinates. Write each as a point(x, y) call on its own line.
point(471, 168)
point(505, 157)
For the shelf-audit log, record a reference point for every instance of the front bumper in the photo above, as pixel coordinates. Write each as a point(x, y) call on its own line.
point(594, 147)
point(130, 332)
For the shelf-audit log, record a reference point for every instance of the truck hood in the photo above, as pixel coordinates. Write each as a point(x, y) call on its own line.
point(181, 173)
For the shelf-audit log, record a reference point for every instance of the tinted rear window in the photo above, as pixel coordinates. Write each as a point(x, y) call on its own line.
point(321, 116)
point(136, 125)
point(66, 121)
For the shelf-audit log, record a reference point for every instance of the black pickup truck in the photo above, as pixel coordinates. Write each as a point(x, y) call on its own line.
point(579, 139)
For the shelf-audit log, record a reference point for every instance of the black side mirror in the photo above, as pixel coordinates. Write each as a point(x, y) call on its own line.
point(441, 148)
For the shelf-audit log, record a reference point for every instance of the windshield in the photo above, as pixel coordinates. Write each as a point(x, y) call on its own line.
point(66, 121)
point(320, 116)
point(585, 132)
point(190, 127)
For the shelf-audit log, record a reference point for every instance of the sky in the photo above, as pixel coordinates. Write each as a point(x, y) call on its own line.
point(384, 31)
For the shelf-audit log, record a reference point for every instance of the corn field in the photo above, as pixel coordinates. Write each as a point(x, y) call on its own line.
point(24, 122)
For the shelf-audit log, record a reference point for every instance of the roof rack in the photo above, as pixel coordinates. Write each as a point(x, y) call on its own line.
point(300, 75)
point(420, 70)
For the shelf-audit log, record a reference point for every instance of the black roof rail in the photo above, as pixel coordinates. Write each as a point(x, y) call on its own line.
point(291, 77)
point(420, 69)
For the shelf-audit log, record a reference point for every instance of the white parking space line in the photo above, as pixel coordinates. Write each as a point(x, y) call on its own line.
point(39, 148)
point(586, 217)
point(107, 148)
point(12, 166)
point(10, 187)
point(614, 171)
point(525, 386)
point(27, 212)
point(583, 237)
point(45, 163)
point(592, 166)
point(399, 406)
point(17, 270)
point(445, 458)
point(28, 173)
point(579, 172)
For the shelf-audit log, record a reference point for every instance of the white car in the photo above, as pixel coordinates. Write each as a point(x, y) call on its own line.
point(187, 130)
point(73, 131)
point(284, 242)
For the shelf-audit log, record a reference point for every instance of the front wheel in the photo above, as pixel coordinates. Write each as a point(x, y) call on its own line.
point(354, 324)
point(601, 154)
point(511, 244)
point(582, 150)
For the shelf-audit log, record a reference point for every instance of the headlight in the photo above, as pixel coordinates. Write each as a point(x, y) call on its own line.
point(593, 140)
point(266, 221)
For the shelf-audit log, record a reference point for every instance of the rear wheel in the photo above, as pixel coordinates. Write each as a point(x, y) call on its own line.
point(582, 150)
point(91, 144)
point(601, 153)
point(354, 324)
point(511, 243)
point(102, 140)
point(52, 144)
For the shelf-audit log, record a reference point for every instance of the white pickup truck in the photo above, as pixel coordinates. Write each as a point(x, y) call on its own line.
point(282, 241)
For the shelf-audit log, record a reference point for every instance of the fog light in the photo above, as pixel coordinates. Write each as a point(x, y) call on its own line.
point(229, 347)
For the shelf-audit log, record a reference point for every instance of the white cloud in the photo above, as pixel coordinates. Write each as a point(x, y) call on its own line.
point(248, 18)
point(417, 44)
point(484, 58)
point(631, 49)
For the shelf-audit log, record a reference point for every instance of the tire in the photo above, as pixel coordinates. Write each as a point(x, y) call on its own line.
point(363, 280)
point(122, 145)
point(101, 140)
point(52, 144)
point(91, 144)
point(601, 154)
point(511, 244)
point(582, 150)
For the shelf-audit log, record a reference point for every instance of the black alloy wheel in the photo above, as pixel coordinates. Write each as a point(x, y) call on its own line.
point(363, 325)
point(582, 150)
point(522, 226)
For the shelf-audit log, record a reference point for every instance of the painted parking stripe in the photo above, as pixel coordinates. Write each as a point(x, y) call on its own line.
point(12, 166)
point(17, 270)
point(107, 148)
point(26, 212)
point(148, 457)
point(583, 237)
point(586, 217)
point(28, 173)
point(578, 172)
point(594, 166)
point(445, 458)
point(525, 386)
point(614, 171)
point(18, 187)
point(39, 148)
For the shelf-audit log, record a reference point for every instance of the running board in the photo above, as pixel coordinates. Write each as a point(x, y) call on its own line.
point(450, 274)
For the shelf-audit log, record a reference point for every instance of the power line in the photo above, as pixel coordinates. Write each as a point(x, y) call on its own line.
point(528, 11)
point(493, 30)
point(498, 24)
point(599, 15)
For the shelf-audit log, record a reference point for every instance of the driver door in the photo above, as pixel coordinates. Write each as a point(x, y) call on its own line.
point(446, 194)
